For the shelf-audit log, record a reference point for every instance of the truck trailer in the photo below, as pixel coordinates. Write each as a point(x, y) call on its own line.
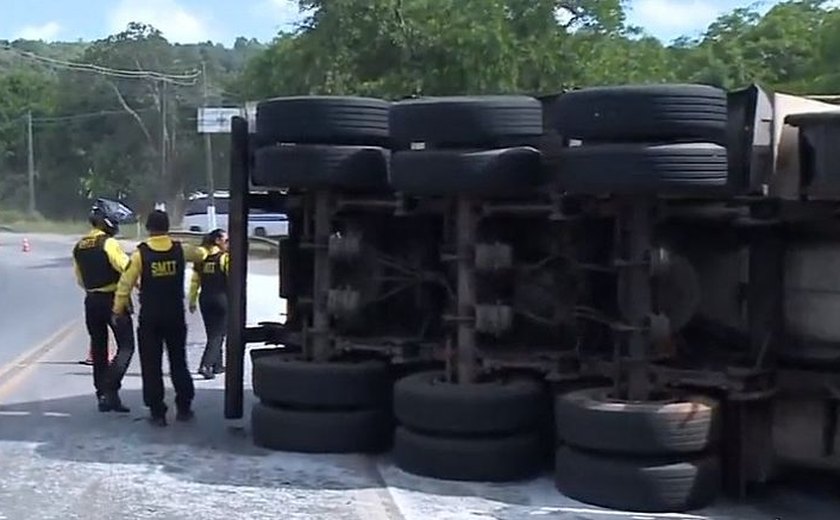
point(637, 286)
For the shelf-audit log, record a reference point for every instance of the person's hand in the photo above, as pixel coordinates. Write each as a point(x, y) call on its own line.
point(115, 318)
point(192, 308)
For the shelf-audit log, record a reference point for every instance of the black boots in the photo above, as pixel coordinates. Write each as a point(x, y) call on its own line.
point(158, 418)
point(210, 372)
point(111, 403)
point(185, 415)
point(207, 373)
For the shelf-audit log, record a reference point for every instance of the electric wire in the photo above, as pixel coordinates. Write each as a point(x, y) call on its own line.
point(185, 79)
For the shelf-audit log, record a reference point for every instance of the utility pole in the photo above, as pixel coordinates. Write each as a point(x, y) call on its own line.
point(162, 138)
point(30, 162)
point(208, 157)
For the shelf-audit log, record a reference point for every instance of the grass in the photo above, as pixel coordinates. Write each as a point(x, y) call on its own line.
point(23, 223)
point(19, 222)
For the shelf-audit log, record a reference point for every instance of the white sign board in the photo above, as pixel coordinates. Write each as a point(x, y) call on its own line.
point(216, 120)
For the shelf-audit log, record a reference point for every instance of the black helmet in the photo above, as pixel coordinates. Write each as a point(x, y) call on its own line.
point(101, 219)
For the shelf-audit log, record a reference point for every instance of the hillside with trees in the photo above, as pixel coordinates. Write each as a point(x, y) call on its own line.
point(100, 133)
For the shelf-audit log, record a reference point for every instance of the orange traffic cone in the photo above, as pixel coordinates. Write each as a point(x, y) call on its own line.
point(26, 247)
point(111, 355)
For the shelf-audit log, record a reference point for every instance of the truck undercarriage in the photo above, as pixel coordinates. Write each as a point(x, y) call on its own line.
point(637, 282)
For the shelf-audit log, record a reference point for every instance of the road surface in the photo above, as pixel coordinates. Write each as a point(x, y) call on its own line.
point(38, 293)
point(62, 460)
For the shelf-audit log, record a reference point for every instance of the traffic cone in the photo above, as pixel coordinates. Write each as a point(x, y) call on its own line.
point(26, 247)
point(112, 353)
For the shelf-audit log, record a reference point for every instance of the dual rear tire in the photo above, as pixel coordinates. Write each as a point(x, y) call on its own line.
point(491, 432)
point(308, 407)
point(637, 456)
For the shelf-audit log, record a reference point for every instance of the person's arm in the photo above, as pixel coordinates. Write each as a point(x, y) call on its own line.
point(225, 262)
point(78, 273)
point(127, 282)
point(116, 255)
point(195, 286)
point(193, 253)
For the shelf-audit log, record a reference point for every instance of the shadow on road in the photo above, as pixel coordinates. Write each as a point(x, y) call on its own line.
point(205, 451)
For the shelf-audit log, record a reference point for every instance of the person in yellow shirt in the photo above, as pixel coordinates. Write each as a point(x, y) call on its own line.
point(99, 261)
point(159, 264)
point(209, 280)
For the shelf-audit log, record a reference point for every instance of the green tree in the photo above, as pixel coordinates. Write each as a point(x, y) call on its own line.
point(22, 90)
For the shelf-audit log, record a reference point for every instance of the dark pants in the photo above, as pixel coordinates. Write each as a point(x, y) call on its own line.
point(107, 378)
point(153, 334)
point(214, 314)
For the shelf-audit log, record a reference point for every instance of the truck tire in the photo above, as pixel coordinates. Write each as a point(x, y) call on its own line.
point(638, 485)
point(320, 431)
point(642, 113)
point(336, 385)
point(497, 172)
point(315, 166)
point(587, 419)
point(501, 459)
point(459, 121)
point(684, 169)
point(324, 120)
point(425, 403)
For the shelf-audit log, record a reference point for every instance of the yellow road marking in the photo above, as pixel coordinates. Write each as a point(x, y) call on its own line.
point(9, 380)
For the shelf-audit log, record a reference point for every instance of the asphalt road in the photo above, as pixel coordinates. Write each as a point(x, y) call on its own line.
point(38, 292)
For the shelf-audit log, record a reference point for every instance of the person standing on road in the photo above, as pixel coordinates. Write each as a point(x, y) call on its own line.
point(159, 263)
point(209, 288)
point(99, 261)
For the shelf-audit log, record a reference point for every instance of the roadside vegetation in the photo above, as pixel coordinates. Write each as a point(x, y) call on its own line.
point(134, 138)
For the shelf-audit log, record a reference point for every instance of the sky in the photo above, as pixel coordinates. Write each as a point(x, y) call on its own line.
point(187, 21)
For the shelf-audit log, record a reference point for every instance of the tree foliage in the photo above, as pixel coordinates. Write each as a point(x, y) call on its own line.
point(385, 48)
point(103, 135)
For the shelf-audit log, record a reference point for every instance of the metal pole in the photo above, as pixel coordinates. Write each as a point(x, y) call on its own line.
point(321, 279)
point(465, 239)
point(30, 162)
point(637, 224)
point(238, 270)
point(162, 137)
point(208, 158)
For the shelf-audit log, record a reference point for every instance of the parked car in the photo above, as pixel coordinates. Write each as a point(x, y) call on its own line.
point(260, 223)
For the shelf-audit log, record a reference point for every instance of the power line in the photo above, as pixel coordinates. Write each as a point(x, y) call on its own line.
point(87, 115)
point(99, 69)
point(185, 79)
point(71, 117)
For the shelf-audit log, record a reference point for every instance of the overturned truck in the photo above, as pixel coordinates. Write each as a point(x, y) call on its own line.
point(635, 285)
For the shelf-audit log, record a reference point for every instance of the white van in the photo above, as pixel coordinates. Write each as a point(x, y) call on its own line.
point(260, 223)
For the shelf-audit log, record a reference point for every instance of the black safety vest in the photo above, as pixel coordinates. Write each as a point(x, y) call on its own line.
point(213, 278)
point(162, 282)
point(93, 262)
